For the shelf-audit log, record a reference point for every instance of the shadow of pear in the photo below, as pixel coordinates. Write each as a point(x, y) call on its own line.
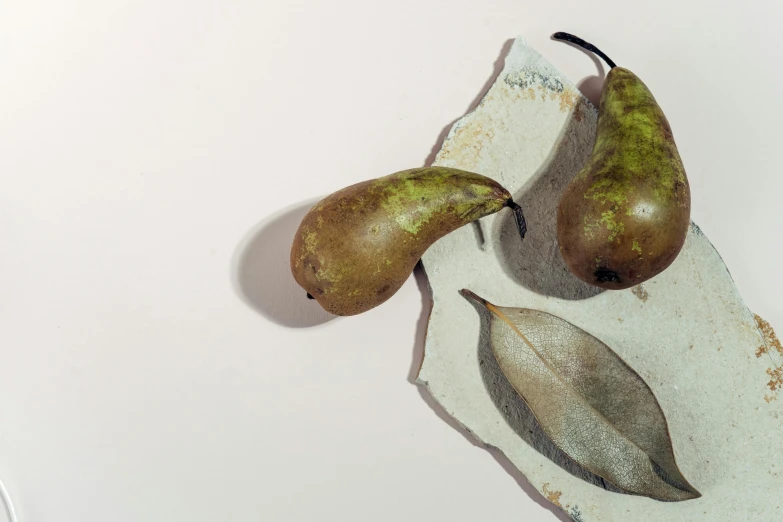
point(261, 272)
point(536, 262)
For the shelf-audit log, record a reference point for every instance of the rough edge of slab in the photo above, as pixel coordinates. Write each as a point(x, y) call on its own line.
point(764, 332)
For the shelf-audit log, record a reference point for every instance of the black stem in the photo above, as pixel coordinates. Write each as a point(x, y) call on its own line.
point(519, 216)
point(309, 296)
point(584, 45)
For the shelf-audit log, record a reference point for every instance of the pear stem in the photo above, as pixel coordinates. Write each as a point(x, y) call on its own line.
point(519, 217)
point(584, 45)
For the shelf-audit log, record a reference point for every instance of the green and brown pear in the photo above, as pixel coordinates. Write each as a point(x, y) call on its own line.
point(355, 248)
point(623, 219)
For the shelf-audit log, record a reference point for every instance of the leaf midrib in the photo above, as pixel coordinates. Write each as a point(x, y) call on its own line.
point(494, 309)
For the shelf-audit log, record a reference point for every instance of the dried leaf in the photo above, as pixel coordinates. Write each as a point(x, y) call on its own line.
point(589, 402)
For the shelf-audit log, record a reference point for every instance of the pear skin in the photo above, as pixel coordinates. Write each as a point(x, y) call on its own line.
point(623, 219)
point(355, 248)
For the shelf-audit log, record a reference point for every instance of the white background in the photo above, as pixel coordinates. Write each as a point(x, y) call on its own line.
point(158, 362)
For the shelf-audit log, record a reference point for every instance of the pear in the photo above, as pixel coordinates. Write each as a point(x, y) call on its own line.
point(624, 217)
point(355, 248)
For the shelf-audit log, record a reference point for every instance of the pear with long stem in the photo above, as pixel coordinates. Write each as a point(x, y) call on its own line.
point(623, 219)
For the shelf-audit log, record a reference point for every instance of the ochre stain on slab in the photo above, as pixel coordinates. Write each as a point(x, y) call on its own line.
point(771, 343)
point(552, 496)
point(640, 292)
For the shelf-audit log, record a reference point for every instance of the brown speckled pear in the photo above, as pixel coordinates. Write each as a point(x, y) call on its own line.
point(623, 219)
point(355, 248)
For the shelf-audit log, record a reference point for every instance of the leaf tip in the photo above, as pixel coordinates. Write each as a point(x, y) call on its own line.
point(694, 493)
point(683, 495)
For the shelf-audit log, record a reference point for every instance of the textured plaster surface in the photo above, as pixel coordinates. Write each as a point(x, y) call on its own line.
point(712, 364)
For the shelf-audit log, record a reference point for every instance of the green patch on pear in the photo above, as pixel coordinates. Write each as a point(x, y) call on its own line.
point(630, 203)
